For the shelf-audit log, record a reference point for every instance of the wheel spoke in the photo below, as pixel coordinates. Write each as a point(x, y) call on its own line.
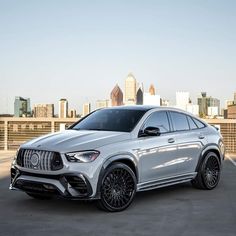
point(212, 171)
point(118, 188)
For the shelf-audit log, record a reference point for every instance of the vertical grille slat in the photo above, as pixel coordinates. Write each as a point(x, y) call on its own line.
point(46, 160)
point(27, 159)
point(49, 160)
point(41, 162)
point(24, 158)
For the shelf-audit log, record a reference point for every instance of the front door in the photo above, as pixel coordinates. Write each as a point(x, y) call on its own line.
point(158, 154)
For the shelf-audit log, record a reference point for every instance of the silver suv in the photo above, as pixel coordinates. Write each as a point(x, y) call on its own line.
point(113, 153)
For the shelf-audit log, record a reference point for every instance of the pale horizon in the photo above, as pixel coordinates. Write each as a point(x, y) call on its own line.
point(81, 50)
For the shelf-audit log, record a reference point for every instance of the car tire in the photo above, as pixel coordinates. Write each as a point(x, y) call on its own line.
point(118, 188)
point(38, 196)
point(208, 175)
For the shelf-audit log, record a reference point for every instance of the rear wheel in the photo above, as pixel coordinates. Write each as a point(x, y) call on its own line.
point(118, 188)
point(209, 172)
point(39, 196)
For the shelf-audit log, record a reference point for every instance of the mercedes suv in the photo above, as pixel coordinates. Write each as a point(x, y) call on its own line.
point(113, 153)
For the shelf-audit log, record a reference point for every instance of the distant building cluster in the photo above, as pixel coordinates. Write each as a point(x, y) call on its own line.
point(43, 110)
point(134, 94)
point(230, 111)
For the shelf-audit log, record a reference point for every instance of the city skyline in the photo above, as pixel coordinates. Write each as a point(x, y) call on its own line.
point(79, 50)
point(205, 106)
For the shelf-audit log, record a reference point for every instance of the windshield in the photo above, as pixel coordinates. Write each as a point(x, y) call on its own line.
point(122, 120)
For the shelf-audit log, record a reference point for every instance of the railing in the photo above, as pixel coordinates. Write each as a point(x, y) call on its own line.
point(15, 131)
point(228, 130)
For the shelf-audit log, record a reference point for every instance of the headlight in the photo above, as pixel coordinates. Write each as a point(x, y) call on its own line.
point(82, 157)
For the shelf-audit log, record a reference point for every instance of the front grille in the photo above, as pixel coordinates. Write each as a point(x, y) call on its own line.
point(39, 160)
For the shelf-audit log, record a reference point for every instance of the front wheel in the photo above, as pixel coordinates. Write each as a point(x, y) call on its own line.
point(118, 188)
point(209, 172)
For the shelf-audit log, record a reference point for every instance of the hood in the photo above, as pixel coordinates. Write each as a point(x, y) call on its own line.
point(76, 140)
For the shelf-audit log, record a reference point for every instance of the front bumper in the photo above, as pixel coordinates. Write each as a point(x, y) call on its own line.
point(69, 185)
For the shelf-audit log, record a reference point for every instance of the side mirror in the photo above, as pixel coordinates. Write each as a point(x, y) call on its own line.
point(150, 131)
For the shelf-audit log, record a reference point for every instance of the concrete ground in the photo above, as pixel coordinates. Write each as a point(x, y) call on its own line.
point(174, 211)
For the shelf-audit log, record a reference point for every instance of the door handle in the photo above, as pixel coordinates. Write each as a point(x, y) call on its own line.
point(171, 140)
point(201, 136)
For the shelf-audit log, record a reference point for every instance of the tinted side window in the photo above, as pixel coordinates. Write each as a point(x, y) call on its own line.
point(180, 121)
point(192, 125)
point(158, 119)
point(199, 123)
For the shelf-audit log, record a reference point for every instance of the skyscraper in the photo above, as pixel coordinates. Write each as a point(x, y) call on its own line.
point(102, 104)
point(116, 96)
point(165, 103)
point(44, 110)
point(204, 102)
point(72, 113)
point(63, 108)
point(151, 100)
point(22, 107)
point(139, 96)
point(182, 100)
point(234, 97)
point(152, 90)
point(86, 109)
point(130, 89)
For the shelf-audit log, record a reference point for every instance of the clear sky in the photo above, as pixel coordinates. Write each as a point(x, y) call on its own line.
point(51, 49)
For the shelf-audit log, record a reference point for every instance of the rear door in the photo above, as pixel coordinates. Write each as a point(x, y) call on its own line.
point(189, 140)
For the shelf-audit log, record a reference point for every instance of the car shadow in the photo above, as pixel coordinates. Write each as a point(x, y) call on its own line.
point(19, 201)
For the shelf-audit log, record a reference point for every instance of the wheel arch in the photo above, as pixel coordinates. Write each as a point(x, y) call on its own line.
point(126, 159)
point(209, 148)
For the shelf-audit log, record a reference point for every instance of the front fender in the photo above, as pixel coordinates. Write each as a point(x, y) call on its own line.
point(116, 158)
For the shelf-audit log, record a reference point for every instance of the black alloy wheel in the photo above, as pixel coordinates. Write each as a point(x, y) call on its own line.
point(118, 188)
point(209, 172)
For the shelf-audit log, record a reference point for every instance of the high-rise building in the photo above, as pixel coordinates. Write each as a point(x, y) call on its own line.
point(231, 112)
point(63, 108)
point(152, 90)
point(102, 104)
point(130, 89)
point(193, 108)
point(182, 100)
point(22, 107)
point(204, 102)
point(228, 103)
point(116, 96)
point(139, 95)
point(234, 97)
point(86, 109)
point(165, 103)
point(152, 100)
point(212, 112)
point(43, 110)
point(72, 113)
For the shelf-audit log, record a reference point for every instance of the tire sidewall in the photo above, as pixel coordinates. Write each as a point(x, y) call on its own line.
point(203, 167)
point(110, 168)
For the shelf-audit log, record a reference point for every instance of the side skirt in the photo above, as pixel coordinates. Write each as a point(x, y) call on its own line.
point(165, 182)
